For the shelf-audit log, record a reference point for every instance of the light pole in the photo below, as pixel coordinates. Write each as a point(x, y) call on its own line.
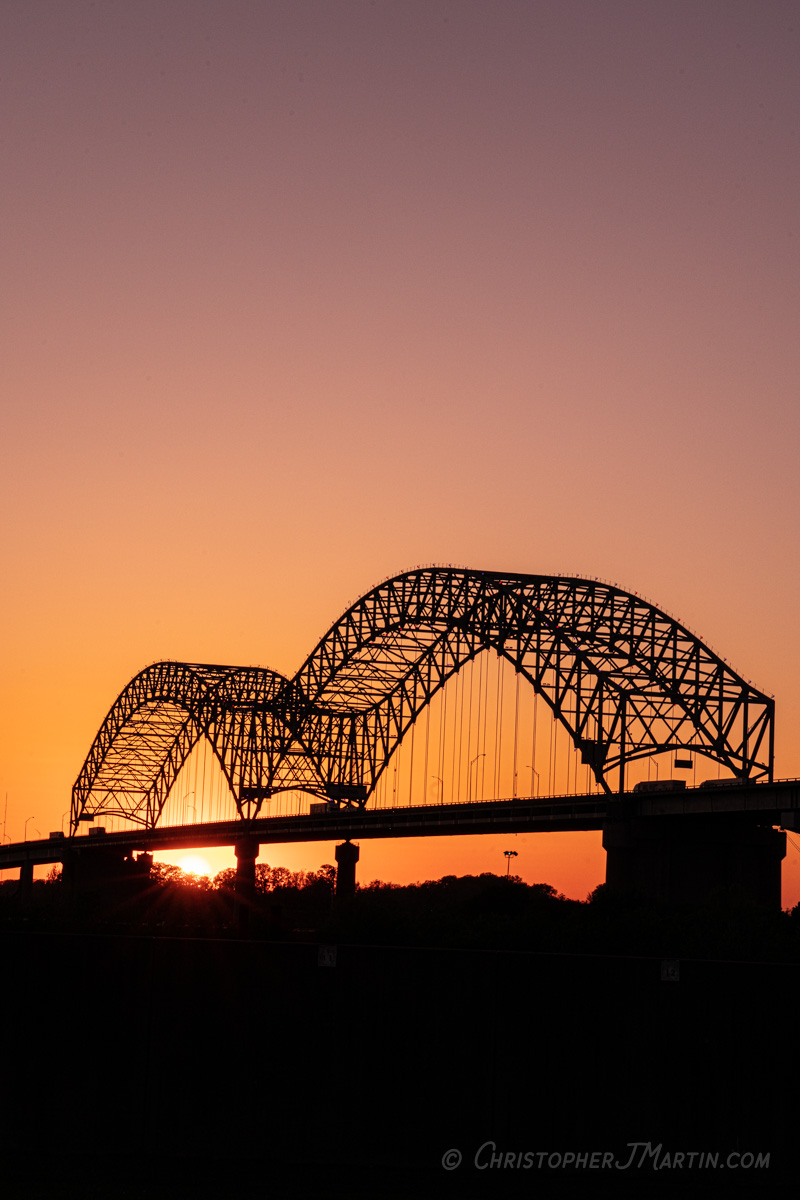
point(25, 834)
point(536, 773)
point(441, 787)
point(469, 776)
point(509, 854)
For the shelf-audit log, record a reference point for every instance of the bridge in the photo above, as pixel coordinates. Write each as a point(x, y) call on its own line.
point(423, 683)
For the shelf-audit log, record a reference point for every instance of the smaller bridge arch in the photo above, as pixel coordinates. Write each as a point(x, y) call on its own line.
point(246, 714)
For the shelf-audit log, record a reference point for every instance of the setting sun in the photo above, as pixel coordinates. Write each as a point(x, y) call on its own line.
point(193, 864)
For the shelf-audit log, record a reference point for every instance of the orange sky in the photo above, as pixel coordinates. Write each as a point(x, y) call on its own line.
point(298, 295)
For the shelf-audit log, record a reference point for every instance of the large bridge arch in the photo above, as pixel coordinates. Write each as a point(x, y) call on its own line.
point(625, 680)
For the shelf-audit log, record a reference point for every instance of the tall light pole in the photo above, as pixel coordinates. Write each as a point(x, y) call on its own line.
point(469, 776)
point(25, 834)
point(441, 787)
point(509, 854)
point(536, 773)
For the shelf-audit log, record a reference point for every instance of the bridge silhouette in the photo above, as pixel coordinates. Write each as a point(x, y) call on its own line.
point(623, 681)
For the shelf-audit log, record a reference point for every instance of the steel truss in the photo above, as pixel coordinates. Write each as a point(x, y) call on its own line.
point(626, 680)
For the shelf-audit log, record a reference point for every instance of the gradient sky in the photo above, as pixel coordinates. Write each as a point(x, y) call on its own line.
point(296, 295)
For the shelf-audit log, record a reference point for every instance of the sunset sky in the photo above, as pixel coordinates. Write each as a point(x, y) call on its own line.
point(297, 294)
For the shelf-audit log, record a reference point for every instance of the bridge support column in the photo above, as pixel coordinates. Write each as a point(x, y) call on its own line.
point(346, 859)
point(695, 860)
point(25, 882)
point(246, 851)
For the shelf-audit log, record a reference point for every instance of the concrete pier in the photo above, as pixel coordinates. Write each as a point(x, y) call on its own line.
point(346, 858)
point(695, 860)
point(246, 851)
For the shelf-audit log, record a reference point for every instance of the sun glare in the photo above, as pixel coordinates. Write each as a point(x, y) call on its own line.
point(193, 864)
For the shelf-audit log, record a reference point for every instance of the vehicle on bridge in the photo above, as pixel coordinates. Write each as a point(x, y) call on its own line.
point(660, 785)
point(722, 783)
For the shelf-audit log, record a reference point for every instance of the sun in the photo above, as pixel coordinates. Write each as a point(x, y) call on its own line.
point(193, 864)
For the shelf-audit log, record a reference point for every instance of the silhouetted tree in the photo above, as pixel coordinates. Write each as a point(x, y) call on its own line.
point(169, 874)
point(225, 879)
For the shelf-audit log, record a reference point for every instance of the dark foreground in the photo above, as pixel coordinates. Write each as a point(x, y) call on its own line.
point(164, 1066)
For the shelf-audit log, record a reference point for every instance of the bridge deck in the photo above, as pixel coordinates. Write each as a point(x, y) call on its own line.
point(766, 803)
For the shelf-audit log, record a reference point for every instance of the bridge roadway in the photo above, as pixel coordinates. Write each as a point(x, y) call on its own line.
point(775, 803)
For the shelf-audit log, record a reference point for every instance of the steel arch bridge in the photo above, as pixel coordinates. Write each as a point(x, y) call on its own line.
point(625, 679)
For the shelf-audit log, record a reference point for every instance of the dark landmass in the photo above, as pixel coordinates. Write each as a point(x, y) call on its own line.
point(154, 1050)
point(485, 912)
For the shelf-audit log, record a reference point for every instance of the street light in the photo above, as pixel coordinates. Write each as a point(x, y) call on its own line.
point(25, 834)
point(441, 787)
point(469, 776)
point(535, 791)
point(509, 854)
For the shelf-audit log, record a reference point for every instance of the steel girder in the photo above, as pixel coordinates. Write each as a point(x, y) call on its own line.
point(625, 679)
